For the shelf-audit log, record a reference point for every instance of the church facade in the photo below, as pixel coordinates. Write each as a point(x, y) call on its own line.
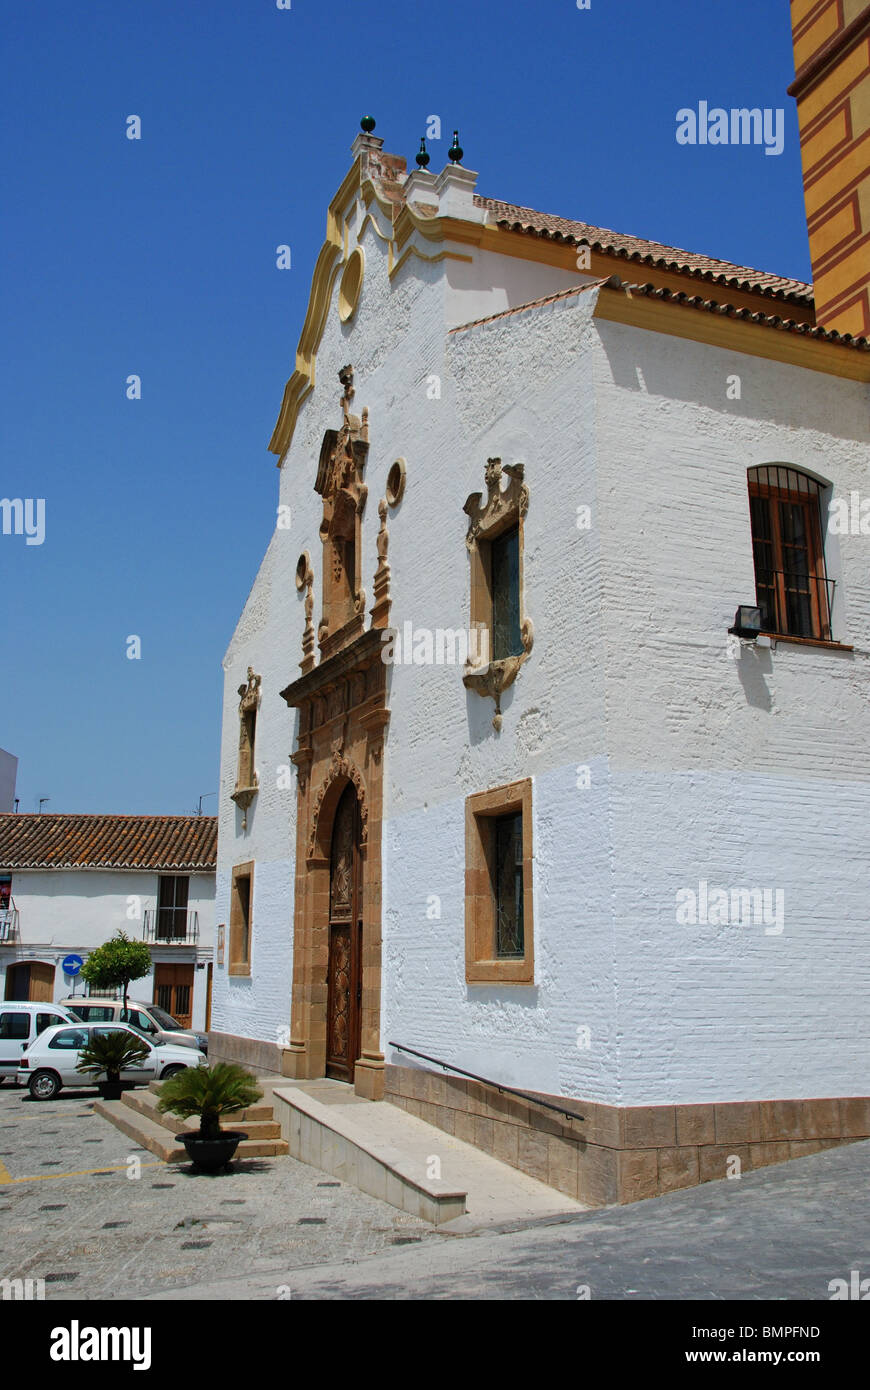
point(546, 740)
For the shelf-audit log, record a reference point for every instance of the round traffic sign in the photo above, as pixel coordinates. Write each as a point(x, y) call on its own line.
point(71, 965)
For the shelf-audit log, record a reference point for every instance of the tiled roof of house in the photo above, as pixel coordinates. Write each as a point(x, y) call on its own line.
point(54, 841)
point(637, 249)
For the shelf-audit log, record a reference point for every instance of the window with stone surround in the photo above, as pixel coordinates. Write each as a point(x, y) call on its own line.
point(494, 539)
point(241, 902)
point(499, 925)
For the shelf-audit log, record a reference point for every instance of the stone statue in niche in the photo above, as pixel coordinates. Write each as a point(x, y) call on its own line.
point(340, 483)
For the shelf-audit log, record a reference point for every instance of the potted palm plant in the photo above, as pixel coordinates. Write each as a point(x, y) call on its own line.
point(111, 1051)
point(210, 1093)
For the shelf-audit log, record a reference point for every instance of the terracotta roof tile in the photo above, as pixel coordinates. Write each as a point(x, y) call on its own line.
point(714, 306)
point(690, 301)
point(54, 841)
point(649, 252)
point(531, 304)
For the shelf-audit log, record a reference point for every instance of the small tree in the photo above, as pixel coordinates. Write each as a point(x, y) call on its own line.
point(111, 1051)
point(114, 964)
point(209, 1094)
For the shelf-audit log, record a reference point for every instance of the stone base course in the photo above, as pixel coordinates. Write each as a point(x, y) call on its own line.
point(618, 1154)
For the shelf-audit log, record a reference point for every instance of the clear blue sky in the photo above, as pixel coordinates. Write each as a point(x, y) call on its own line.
point(157, 257)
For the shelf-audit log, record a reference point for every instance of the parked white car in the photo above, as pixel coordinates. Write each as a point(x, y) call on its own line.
point(20, 1025)
point(50, 1062)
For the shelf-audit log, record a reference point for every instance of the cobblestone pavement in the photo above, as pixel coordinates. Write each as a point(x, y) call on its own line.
point(103, 1235)
point(276, 1228)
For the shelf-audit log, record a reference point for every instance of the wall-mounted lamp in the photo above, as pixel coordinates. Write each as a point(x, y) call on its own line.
point(747, 622)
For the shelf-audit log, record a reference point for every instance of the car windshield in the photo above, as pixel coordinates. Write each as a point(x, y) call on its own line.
point(165, 1020)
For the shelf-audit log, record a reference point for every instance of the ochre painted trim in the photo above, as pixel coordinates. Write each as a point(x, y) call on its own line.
point(439, 256)
point(734, 335)
point(333, 253)
point(835, 49)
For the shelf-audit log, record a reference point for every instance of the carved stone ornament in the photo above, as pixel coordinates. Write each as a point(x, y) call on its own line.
point(247, 781)
point(250, 692)
point(492, 515)
point(305, 580)
point(381, 609)
point(340, 483)
point(503, 508)
point(339, 768)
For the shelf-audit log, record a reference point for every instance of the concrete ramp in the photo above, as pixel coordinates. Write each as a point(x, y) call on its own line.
point(402, 1160)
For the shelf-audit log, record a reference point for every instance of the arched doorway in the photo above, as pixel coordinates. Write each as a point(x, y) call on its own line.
point(30, 981)
point(344, 980)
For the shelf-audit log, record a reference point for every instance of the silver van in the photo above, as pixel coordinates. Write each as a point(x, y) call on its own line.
point(20, 1025)
point(157, 1025)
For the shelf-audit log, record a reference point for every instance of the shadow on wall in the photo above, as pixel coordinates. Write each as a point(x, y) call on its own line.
point(754, 665)
point(656, 365)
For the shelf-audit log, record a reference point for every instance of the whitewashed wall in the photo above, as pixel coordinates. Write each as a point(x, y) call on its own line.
point(746, 773)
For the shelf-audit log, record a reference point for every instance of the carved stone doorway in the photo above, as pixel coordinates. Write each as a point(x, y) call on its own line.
point(344, 975)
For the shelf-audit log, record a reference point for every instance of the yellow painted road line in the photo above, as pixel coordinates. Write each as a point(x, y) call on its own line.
point(81, 1172)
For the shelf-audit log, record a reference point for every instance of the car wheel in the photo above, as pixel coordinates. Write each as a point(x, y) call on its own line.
point(172, 1071)
point(44, 1085)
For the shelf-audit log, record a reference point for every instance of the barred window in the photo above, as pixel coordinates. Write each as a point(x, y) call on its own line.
point(791, 584)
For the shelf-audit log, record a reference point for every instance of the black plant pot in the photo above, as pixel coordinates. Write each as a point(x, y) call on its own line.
point(212, 1154)
point(111, 1090)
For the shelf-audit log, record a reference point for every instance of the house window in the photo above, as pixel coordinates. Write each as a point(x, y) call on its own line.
point(5, 892)
point(240, 920)
point(791, 584)
point(498, 886)
point(172, 892)
point(504, 574)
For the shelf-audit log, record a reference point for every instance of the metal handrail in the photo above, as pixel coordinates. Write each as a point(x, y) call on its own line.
point(487, 1081)
point(795, 587)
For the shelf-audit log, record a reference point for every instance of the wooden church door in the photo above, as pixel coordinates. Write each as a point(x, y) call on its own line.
point(345, 941)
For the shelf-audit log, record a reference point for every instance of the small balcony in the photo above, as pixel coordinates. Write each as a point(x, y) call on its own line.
point(171, 926)
point(9, 930)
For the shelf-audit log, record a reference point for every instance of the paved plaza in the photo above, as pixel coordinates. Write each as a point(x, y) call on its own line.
point(74, 1213)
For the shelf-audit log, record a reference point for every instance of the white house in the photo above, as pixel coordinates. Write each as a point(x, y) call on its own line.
point(619, 856)
point(69, 882)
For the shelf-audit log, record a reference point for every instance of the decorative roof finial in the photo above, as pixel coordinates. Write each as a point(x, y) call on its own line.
point(455, 153)
point(422, 157)
point(367, 124)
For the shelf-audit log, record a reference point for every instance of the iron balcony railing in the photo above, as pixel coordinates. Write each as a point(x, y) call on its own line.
point(794, 604)
point(487, 1081)
point(170, 926)
point(9, 931)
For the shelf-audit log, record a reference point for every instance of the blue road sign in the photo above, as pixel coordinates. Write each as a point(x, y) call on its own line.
point(71, 965)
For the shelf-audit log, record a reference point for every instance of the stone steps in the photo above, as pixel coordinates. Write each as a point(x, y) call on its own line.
point(137, 1116)
point(261, 1111)
point(256, 1121)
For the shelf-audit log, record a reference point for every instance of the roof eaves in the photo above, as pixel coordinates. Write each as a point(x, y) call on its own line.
point(713, 306)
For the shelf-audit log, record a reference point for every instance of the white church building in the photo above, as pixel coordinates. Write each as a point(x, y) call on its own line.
point(546, 738)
